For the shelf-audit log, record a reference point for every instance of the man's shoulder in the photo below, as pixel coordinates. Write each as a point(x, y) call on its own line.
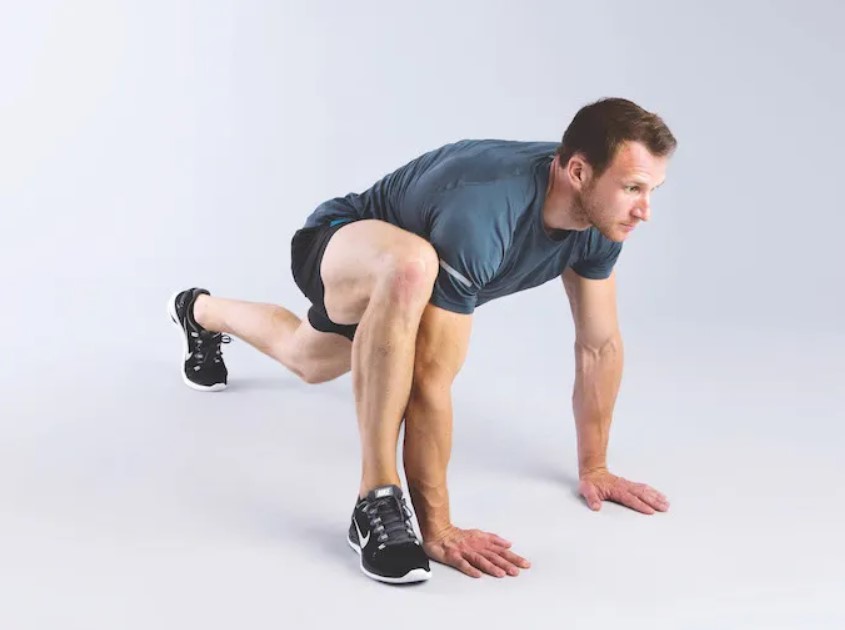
point(485, 161)
point(475, 168)
point(595, 246)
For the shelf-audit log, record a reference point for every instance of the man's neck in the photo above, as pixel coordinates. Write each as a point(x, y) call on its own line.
point(560, 208)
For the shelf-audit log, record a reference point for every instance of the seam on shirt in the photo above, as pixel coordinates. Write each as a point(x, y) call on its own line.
point(593, 275)
point(455, 274)
point(450, 305)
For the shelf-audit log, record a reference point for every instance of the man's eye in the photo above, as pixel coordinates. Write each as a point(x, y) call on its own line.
point(633, 188)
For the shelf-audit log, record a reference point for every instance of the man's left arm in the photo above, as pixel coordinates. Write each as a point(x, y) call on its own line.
point(598, 374)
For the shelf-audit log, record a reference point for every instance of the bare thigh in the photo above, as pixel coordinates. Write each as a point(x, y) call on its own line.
point(358, 256)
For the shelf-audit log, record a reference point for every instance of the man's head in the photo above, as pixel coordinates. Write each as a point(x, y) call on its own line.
point(613, 155)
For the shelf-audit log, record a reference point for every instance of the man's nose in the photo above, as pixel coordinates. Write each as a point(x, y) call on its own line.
point(643, 209)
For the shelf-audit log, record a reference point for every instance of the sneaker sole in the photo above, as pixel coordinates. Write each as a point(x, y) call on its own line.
point(171, 312)
point(415, 575)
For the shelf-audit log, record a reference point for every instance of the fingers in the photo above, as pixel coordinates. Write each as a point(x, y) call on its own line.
point(649, 496)
point(515, 559)
point(478, 554)
point(463, 566)
point(497, 540)
point(486, 564)
point(500, 547)
point(499, 561)
point(661, 505)
point(637, 496)
point(591, 496)
point(632, 501)
point(469, 563)
point(654, 498)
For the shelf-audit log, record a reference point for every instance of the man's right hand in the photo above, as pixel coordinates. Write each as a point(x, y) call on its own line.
point(472, 551)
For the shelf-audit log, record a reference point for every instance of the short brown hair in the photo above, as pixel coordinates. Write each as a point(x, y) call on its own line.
point(599, 128)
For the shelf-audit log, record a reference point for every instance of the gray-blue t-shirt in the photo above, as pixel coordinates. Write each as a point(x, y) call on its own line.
point(479, 203)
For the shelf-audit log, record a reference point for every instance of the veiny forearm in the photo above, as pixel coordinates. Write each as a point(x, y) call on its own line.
point(598, 374)
point(427, 448)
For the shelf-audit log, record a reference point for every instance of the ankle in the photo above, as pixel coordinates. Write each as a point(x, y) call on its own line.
point(366, 487)
point(200, 312)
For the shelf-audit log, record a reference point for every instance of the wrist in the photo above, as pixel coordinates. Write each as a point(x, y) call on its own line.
point(589, 468)
point(435, 531)
point(433, 526)
point(431, 506)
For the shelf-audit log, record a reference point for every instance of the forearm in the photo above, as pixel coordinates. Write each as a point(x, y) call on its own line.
point(598, 374)
point(427, 448)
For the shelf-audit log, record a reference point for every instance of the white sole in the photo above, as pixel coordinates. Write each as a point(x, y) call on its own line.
point(416, 575)
point(171, 312)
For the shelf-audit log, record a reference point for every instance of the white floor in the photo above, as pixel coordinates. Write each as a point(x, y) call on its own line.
point(147, 146)
point(131, 501)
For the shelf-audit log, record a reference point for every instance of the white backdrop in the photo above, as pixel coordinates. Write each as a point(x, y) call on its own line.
point(149, 146)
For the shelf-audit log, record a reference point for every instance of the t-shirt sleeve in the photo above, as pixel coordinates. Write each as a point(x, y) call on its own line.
point(466, 232)
point(598, 256)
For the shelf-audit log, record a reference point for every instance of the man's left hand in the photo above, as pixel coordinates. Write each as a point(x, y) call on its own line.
point(599, 485)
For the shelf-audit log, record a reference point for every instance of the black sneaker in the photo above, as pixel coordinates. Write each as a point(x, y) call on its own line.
point(202, 363)
point(382, 534)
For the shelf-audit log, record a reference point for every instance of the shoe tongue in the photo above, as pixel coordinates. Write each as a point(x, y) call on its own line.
point(384, 491)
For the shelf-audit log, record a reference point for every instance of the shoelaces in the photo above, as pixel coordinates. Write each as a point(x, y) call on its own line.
point(390, 521)
point(207, 347)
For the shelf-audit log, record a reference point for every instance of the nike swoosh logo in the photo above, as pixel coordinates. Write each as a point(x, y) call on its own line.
point(361, 540)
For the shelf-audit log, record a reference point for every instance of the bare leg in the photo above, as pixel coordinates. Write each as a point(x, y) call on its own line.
point(388, 274)
point(379, 276)
point(382, 369)
point(314, 356)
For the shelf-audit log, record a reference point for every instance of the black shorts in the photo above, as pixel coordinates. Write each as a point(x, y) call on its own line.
point(306, 253)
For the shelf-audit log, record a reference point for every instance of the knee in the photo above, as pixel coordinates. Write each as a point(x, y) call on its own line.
point(316, 372)
point(410, 273)
point(313, 377)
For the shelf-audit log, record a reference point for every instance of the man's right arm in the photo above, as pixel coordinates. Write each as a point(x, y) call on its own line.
point(442, 343)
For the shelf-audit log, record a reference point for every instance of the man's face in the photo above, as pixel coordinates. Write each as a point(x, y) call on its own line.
point(620, 198)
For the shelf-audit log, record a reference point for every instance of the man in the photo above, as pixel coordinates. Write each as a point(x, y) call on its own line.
point(394, 275)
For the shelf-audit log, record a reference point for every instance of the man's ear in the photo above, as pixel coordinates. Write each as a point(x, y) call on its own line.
point(578, 171)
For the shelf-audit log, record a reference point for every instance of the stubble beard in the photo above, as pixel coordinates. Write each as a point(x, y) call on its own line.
point(592, 215)
point(588, 211)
